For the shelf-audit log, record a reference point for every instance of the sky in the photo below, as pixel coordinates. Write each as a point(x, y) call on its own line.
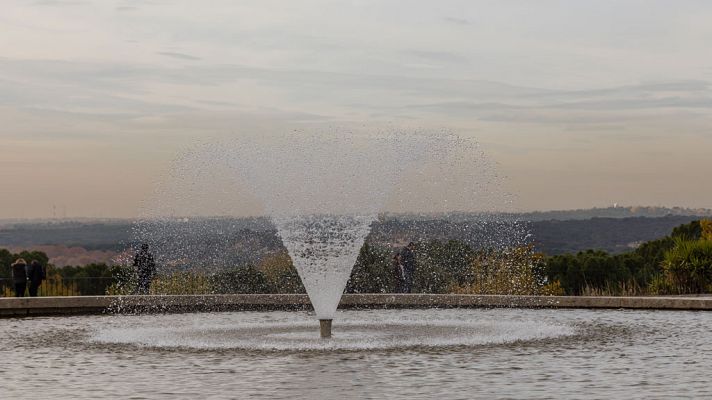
point(579, 103)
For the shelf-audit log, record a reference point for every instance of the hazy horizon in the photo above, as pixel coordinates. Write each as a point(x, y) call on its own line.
point(635, 209)
point(579, 104)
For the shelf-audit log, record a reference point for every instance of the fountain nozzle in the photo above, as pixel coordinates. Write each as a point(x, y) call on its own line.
point(325, 328)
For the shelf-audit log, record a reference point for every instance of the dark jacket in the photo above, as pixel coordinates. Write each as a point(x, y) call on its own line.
point(408, 260)
point(145, 264)
point(35, 273)
point(19, 273)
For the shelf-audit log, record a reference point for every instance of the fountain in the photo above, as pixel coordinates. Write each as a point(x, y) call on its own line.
point(322, 193)
point(322, 197)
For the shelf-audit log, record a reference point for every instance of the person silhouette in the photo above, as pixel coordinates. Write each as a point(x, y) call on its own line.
point(407, 259)
point(399, 272)
point(19, 276)
point(145, 269)
point(35, 274)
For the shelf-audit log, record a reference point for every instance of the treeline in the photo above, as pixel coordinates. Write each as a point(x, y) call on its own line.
point(676, 264)
point(442, 267)
point(679, 263)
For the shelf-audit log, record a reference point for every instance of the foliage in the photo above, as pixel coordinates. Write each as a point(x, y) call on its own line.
point(513, 271)
point(55, 285)
point(373, 272)
point(661, 285)
point(552, 289)
point(451, 266)
point(691, 231)
point(91, 279)
point(441, 265)
point(247, 279)
point(624, 288)
point(688, 266)
point(280, 274)
point(678, 263)
point(7, 259)
point(181, 283)
point(597, 272)
point(679, 259)
point(706, 228)
point(641, 271)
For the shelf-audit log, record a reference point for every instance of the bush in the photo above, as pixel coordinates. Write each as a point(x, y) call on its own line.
point(280, 274)
point(688, 266)
point(514, 271)
point(552, 289)
point(246, 279)
point(373, 271)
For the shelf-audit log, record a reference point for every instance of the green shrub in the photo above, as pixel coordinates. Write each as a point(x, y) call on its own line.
point(688, 266)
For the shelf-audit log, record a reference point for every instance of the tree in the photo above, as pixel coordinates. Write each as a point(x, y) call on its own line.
point(688, 266)
point(640, 269)
point(691, 231)
point(6, 260)
point(373, 271)
point(91, 279)
point(432, 272)
point(247, 279)
point(280, 274)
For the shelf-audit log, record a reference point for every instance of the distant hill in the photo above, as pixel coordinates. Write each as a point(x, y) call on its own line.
point(239, 240)
point(89, 235)
point(615, 212)
point(614, 235)
point(112, 235)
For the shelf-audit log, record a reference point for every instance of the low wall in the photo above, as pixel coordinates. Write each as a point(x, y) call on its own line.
point(28, 306)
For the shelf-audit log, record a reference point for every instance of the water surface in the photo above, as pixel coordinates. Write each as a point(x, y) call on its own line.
point(392, 354)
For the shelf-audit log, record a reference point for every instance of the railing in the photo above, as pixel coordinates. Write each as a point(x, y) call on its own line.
point(85, 286)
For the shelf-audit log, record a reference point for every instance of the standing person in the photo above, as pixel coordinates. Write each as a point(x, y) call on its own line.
point(399, 272)
point(35, 274)
point(145, 269)
point(19, 277)
point(407, 258)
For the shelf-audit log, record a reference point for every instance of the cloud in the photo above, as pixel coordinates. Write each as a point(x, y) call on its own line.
point(134, 89)
point(180, 56)
point(581, 106)
point(638, 103)
point(640, 90)
point(437, 56)
point(133, 79)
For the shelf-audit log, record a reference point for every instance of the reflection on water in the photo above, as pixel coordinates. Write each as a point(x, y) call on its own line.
point(454, 354)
